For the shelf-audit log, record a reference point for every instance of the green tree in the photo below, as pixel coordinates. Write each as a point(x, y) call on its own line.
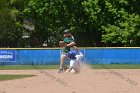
point(123, 28)
point(115, 20)
point(92, 22)
point(8, 33)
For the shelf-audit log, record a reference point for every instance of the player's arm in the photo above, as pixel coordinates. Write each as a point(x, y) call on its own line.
point(71, 44)
point(79, 52)
point(62, 44)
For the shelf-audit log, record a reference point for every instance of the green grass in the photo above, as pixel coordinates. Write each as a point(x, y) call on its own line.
point(94, 66)
point(11, 77)
point(27, 67)
point(116, 66)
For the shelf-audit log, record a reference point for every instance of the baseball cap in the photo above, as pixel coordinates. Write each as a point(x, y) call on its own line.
point(66, 31)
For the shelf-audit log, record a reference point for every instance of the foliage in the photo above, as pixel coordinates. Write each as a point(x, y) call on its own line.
point(92, 22)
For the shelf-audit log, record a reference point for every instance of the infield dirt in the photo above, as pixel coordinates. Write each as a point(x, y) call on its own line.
point(88, 81)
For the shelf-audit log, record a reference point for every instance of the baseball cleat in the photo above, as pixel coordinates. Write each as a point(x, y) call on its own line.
point(60, 71)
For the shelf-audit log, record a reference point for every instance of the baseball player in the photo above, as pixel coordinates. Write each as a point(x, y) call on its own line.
point(75, 60)
point(65, 45)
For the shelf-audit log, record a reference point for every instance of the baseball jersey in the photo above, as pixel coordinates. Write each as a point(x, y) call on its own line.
point(76, 62)
point(67, 40)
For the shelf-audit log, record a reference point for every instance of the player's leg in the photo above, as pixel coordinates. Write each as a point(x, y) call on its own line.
point(76, 67)
point(62, 60)
point(71, 66)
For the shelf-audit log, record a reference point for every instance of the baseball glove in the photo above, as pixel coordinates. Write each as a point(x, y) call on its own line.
point(62, 44)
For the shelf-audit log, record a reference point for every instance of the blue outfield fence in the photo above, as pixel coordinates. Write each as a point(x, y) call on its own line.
point(113, 55)
point(52, 56)
point(33, 57)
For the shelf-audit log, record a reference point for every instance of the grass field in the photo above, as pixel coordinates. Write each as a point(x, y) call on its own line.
point(116, 66)
point(27, 67)
point(11, 77)
point(95, 66)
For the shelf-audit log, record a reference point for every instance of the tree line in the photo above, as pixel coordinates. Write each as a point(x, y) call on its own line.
point(93, 23)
